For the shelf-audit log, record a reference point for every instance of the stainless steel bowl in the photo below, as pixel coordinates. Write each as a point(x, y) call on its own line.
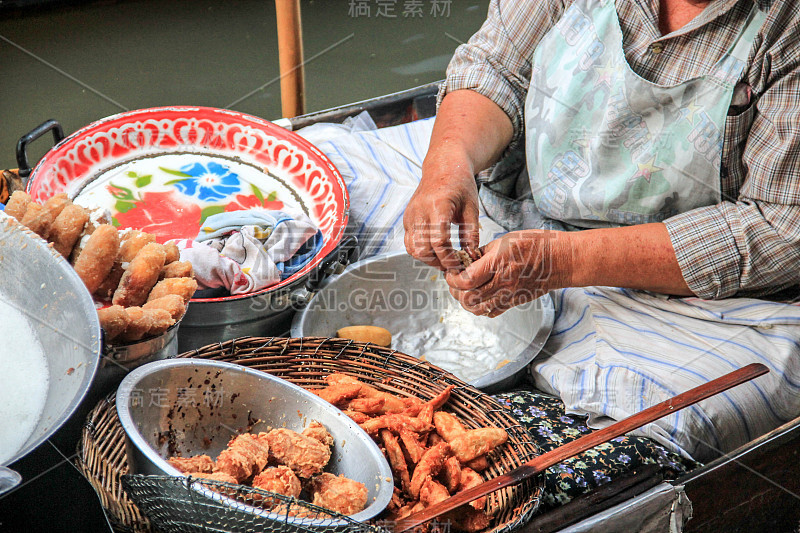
point(405, 296)
point(44, 287)
point(193, 406)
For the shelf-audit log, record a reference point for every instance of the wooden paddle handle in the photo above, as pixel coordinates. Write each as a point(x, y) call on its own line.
point(553, 457)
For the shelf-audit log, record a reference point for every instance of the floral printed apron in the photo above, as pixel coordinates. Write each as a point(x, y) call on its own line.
point(606, 147)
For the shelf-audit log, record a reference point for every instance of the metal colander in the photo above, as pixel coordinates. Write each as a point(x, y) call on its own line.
point(185, 504)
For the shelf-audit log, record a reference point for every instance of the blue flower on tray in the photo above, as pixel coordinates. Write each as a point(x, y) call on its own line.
point(208, 182)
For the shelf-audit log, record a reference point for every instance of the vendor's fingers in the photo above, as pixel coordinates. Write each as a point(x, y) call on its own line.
point(502, 302)
point(478, 274)
point(440, 242)
point(418, 245)
point(469, 230)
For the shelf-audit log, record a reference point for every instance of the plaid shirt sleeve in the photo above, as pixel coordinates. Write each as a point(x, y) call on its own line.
point(495, 62)
point(750, 245)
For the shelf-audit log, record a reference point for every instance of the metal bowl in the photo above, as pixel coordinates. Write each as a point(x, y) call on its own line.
point(406, 296)
point(44, 287)
point(193, 406)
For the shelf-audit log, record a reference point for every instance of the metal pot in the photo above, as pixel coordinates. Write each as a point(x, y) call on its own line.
point(265, 314)
point(405, 296)
point(44, 287)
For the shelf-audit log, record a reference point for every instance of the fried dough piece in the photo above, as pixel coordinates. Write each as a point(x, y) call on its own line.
point(469, 479)
point(197, 464)
point(279, 479)
point(317, 431)
point(173, 253)
point(67, 228)
point(429, 466)
point(38, 219)
point(172, 303)
point(183, 287)
point(447, 425)
point(338, 393)
point(140, 277)
point(413, 447)
point(114, 321)
point(57, 203)
point(426, 413)
point(131, 242)
point(304, 455)
point(395, 423)
point(368, 406)
point(451, 474)
point(358, 418)
point(467, 256)
point(396, 459)
point(392, 404)
point(338, 493)
point(18, 204)
point(95, 261)
point(434, 439)
point(105, 292)
point(176, 269)
point(160, 321)
point(477, 442)
point(432, 492)
point(245, 455)
point(139, 323)
point(479, 464)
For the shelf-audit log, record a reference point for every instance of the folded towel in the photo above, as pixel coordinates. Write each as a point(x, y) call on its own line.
point(246, 251)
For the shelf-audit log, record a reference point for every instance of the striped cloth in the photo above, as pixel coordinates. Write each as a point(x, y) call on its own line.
point(613, 352)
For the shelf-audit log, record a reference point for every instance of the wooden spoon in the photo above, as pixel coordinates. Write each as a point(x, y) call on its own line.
point(553, 457)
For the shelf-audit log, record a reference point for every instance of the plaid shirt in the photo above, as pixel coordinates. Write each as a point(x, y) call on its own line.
point(747, 245)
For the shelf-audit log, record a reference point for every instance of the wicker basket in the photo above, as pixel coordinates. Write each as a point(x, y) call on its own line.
point(305, 362)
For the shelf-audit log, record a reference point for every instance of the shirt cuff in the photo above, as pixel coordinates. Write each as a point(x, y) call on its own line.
point(707, 253)
point(484, 80)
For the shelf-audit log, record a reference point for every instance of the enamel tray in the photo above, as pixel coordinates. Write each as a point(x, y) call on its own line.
point(165, 170)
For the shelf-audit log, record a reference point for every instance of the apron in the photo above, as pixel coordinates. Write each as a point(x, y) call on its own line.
point(606, 147)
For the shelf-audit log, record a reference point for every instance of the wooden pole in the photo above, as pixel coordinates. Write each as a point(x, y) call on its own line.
point(290, 52)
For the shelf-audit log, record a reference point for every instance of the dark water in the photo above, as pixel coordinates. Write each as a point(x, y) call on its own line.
point(99, 58)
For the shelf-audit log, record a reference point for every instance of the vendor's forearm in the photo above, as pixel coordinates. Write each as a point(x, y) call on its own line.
point(635, 257)
point(469, 127)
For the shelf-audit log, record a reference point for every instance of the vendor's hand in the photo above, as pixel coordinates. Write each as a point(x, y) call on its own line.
point(447, 194)
point(513, 270)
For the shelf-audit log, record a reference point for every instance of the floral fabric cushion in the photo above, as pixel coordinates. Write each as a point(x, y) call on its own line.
point(543, 415)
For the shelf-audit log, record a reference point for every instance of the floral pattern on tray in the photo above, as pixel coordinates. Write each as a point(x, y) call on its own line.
point(191, 194)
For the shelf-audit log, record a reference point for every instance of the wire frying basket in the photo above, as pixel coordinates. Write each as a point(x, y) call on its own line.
point(186, 504)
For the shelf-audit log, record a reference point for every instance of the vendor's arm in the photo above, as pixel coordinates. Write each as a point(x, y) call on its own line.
point(480, 115)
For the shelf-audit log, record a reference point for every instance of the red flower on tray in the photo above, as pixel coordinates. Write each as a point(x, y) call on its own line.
point(164, 215)
point(243, 202)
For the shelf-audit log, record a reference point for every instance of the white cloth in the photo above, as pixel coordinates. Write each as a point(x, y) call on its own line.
point(246, 251)
point(614, 352)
